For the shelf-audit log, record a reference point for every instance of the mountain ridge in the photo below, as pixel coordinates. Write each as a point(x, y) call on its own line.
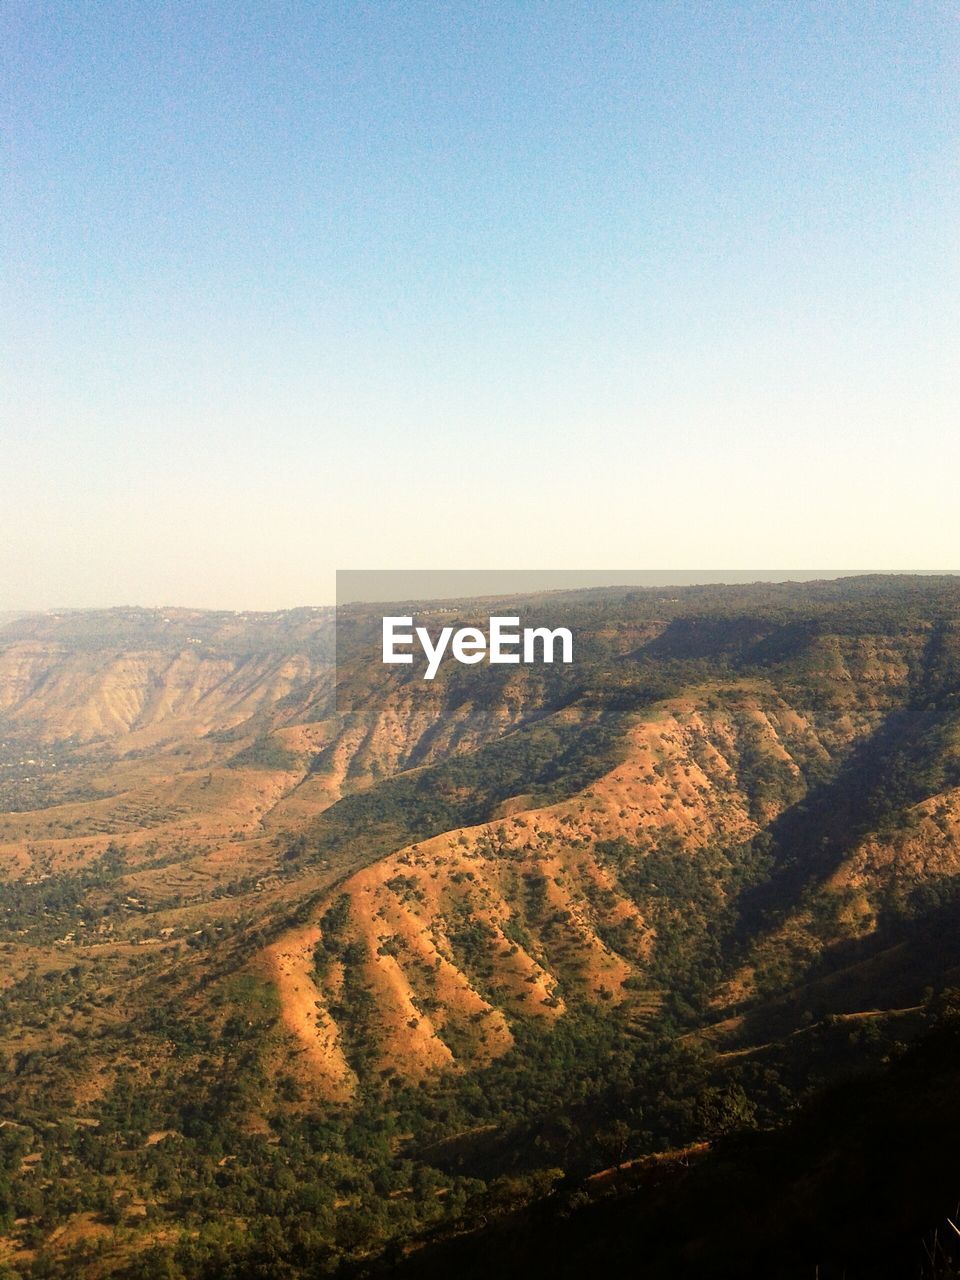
point(359, 924)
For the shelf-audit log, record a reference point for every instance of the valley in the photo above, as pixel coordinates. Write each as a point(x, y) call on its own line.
point(310, 966)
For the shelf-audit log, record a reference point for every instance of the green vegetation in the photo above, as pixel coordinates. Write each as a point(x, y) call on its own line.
point(157, 1120)
point(42, 908)
point(266, 753)
point(545, 761)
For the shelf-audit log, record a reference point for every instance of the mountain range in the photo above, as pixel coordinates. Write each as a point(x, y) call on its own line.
point(311, 967)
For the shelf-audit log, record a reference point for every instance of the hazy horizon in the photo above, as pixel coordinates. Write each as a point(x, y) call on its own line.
point(366, 586)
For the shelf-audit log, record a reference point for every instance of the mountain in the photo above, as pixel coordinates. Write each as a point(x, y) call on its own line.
point(316, 967)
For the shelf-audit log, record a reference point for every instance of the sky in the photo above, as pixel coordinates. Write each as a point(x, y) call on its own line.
point(296, 287)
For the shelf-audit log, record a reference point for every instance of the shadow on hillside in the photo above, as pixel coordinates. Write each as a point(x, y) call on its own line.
point(907, 759)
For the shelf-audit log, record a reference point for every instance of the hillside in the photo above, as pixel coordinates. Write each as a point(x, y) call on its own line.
point(307, 962)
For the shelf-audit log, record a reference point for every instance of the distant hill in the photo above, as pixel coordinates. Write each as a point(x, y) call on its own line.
point(308, 966)
point(11, 615)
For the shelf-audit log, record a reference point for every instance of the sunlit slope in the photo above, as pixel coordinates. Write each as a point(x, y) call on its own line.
point(443, 943)
point(498, 847)
point(450, 926)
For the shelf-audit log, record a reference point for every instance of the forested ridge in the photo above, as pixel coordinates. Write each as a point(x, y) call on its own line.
point(651, 962)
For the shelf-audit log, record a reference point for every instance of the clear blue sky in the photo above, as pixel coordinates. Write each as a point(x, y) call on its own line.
point(291, 287)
